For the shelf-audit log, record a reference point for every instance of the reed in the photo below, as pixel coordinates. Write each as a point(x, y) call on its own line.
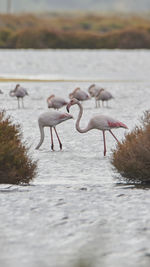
point(15, 165)
point(132, 156)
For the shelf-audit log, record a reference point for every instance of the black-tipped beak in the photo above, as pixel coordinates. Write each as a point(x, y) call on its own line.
point(67, 108)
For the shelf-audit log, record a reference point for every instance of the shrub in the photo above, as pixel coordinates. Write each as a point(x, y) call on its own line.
point(15, 165)
point(4, 37)
point(132, 156)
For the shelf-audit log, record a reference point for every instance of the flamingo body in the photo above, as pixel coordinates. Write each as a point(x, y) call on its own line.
point(79, 95)
point(103, 123)
point(56, 102)
point(51, 119)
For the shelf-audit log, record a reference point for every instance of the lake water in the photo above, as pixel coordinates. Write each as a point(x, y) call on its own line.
point(78, 206)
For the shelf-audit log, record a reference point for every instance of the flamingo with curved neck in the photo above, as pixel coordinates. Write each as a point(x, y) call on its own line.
point(51, 119)
point(99, 122)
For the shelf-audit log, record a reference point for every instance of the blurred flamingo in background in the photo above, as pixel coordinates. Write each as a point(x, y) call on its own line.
point(99, 93)
point(20, 93)
point(104, 96)
point(93, 89)
point(79, 95)
point(99, 122)
point(51, 119)
point(56, 102)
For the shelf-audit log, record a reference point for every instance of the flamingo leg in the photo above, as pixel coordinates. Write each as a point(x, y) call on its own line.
point(60, 144)
point(104, 143)
point(95, 103)
point(22, 103)
point(18, 102)
point(52, 142)
point(114, 136)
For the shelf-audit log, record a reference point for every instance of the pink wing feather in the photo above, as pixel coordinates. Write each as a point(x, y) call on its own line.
point(117, 124)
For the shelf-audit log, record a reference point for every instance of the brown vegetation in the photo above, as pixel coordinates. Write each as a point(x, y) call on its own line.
point(15, 165)
point(132, 156)
point(74, 31)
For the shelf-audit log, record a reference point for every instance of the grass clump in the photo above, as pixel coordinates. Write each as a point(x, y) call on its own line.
point(15, 165)
point(132, 156)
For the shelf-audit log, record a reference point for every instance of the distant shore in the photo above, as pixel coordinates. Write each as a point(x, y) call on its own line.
point(83, 31)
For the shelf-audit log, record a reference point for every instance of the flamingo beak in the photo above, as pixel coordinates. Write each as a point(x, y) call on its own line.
point(68, 107)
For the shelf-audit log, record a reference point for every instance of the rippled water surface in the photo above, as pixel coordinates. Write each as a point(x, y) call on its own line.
point(78, 206)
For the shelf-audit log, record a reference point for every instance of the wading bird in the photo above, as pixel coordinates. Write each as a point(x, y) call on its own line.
point(56, 102)
point(79, 95)
point(51, 119)
point(104, 96)
point(19, 92)
point(93, 89)
point(99, 122)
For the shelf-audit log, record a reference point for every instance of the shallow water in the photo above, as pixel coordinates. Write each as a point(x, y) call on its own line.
point(78, 206)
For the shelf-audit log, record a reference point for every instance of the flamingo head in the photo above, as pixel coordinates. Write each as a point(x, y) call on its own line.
point(72, 102)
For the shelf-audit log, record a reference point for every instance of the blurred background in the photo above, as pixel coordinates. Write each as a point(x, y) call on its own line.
point(90, 24)
point(67, 5)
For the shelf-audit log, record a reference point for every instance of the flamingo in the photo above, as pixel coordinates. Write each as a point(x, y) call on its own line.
point(56, 102)
point(19, 92)
point(51, 119)
point(79, 95)
point(99, 122)
point(103, 95)
point(93, 90)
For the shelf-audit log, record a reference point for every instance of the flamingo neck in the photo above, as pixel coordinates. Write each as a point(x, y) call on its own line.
point(42, 136)
point(78, 120)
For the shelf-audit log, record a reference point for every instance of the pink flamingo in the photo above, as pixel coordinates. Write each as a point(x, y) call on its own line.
point(103, 95)
point(79, 94)
point(94, 89)
point(99, 122)
point(56, 102)
point(51, 119)
point(20, 92)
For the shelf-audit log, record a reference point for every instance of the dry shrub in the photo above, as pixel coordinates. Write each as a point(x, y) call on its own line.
point(132, 156)
point(15, 165)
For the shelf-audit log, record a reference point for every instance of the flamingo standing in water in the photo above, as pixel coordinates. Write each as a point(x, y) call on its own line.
point(104, 96)
point(99, 122)
point(94, 91)
point(51, 119)
point(56, 102)
point(79, 95)
point(19, 92)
